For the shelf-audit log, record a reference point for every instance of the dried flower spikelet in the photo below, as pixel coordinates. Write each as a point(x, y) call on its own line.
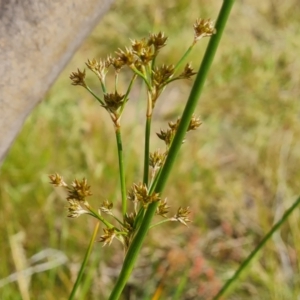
point(113, 101)
point(116, 63)
point(75, 209)
point(203, 28)
point(142, 196)
point(166, 136)
point(162, 74)
point(182, 216)
point(131, 195)
point(156, 159)
point(138, 46)
point(100, 67)
point(174, 125)
point(188, 72)
point(157, 40)
point(194, 123)
point(79, 190)
point(146, 55)
point(78, 78)
point(108, 236)
point(153, 198)
point(129, 222)
point(57, 180)
point(141, 191)
point(106, 207)
point(126, 57)
point(162, 208)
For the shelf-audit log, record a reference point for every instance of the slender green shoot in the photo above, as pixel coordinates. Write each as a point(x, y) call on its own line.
point(121, 170)
point(248, 260)
point(99, 217)
point(159, 223)
point(143, 76)
point(184, 56)
point(127, 92)
point(98, 99)
point(147, 149)
point(84, 263)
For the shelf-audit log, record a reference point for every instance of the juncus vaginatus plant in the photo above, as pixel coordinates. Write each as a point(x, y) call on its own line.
point(140, 58)
point(130, 227)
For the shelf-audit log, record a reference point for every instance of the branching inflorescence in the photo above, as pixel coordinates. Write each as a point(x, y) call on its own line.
point(140, 58)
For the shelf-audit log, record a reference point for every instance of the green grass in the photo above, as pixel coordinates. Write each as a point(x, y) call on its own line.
point(238, 172)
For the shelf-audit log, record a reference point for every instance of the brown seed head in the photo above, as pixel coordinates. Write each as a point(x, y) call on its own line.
point(131, 195)
point(113, 101)
point(100, 67)
point(194, 123)
point(129, 222)
point(157, 40)
point(57, 180)
point(79, 190)
point(174, 125)
point(156, 159)
point(106, 207)
point(126, 57)
point(203, 28)
point(146, 55)
point(162, 74)
point(108, 236)
point(138, 46)
point(116, 63)
point(78, 78)
point(75, 209)
point(188, 72)
point(166, 136)
point(182, 216)
point(162, 208)
point(141, 193)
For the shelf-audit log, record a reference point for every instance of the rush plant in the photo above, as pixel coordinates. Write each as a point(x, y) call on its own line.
point(131, 225)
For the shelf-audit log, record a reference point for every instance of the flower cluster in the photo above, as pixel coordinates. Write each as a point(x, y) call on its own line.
point(168, 135)
point(139, 194)
point(140, 60)
point(77, 193)
point(203, 28)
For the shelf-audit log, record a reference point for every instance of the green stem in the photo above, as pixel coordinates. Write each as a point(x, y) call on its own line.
point(247, 261)
point(138, 218)
point(137, 242)
point(154, 181)
point(103, 86)
point(127, 92)
point(119, 221)
point(99, 100)
point(184, 56)
point(135, 70)
point(99, 217)
point(159, 223)
point(121, 170)
point(147, 150)
point(116, 80)
point(85, 260)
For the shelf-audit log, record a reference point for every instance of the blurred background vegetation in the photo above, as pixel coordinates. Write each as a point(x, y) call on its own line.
point(238, 172)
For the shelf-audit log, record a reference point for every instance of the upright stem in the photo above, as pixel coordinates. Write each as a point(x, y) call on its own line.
point(147, 150)
point(147, 136)
point(85, 260)
point(121, 170)
point(137, 242)
point(184, 56)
